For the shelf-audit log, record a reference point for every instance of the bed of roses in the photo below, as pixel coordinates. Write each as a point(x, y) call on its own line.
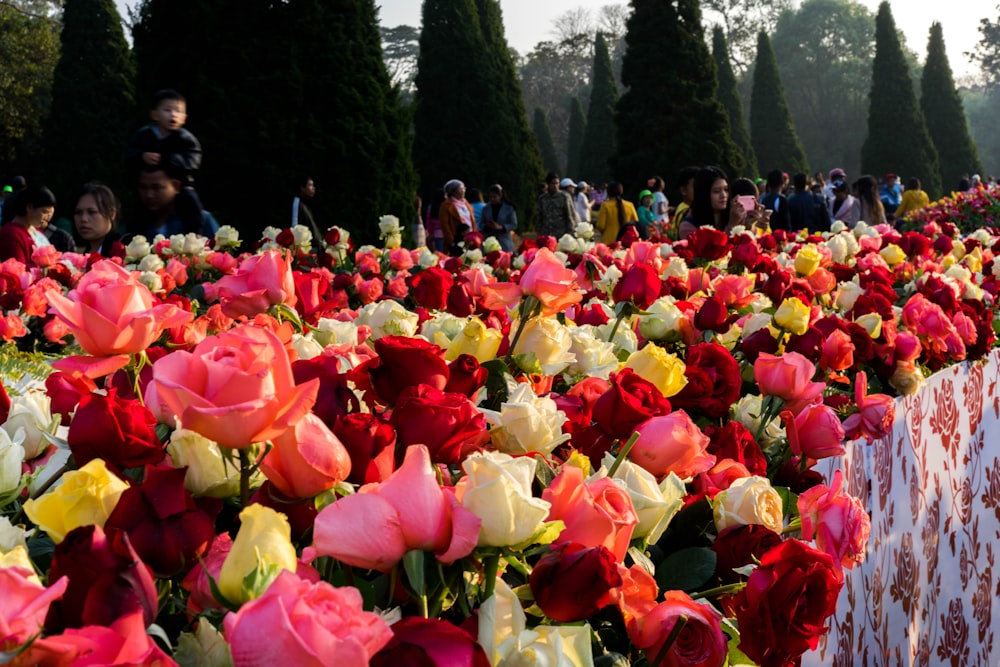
point(575, 455)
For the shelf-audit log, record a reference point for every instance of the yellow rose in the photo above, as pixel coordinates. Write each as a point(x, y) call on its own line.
point(793, 315)
point(18, 557)
point(907, 378)
point(261, 550)
point(750, 500)
point(872, 323)
point(807, 260)
point(660, 367)
point(475, 339)
point(207, 473)
point(892, 254)
point(85, 496)
point(497, 489)
point(974, 260)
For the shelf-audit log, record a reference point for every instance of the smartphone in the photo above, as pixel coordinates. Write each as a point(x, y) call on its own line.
point(749, 202)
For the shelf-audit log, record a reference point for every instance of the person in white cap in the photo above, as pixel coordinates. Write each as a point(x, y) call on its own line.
point(582, 202)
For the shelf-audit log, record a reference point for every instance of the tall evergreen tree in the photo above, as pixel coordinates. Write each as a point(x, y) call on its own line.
point(599, 137)
point(774, 138)
point(515, 161)
point(898, 140)
point(540, 125)
point(942, 109)
point(669, 117)
point(577, 127)
point(92, 99)
point(729, 95)
point(452, 138)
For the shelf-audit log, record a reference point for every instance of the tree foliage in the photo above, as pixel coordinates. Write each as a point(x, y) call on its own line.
point(669, 117)
point(824, 52)
point(942, 109)
point(987, 51)
point(29, 50)
point(898, 140)
point(92, 100)
point(577, 128)
point(400, 51)
point(775, 141)
point(741, 21)
point(980, 107)
point(729, 96)
point(599, 139)
point(540, 126)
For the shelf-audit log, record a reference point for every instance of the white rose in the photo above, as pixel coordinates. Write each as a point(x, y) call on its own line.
point(548, 340)
point(675, 268)
point(31, 412)
point(594, 357)
point(270, 233)
point(497, 489)
point(227, 237)
point(655, 504)
point(610, 278)
point(491, 244)
point(11, 458)
point(755, 323)
point(208, 474)
point(388, 224)
point(749, 500)
point(137, 248)
point(443, 328)
point(194, 244)
point(567, 243)
point(527, 423)
point(151, 263)
point(302, 235)
point(625, 338)
point(334, 332)
point(427, 260)
point(662, 320)
point(11, 536)
point(473, 256)
point(585, 230)
point(847, 295)
point(387, 318)
point(748, 411)
point(306, 346)
point(151, 280)
point(176, 244)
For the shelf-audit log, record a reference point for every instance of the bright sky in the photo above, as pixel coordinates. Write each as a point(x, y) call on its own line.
point(529, 21)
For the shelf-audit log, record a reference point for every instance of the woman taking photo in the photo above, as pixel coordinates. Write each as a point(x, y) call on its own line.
point(499, 218)
point(33, 208)
point(457, 216)
point(711, 206)
point(95, 218)
point(615, 214)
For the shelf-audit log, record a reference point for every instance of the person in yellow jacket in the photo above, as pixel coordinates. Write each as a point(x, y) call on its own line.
point(913, 199)
point(615, 214)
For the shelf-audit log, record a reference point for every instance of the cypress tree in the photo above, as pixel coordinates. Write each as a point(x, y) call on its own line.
point(599, 136)
point(92, 98)
point(898, 140)
point(942, 109)
point(730, 97)
point(540, 125)
point(774, 138)
point(669, 117)
point(452, 138)
point(577, 127)
point(514, 160)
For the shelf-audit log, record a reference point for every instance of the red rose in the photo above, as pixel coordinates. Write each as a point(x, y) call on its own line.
point(430, 288)
point(572, 581)
point(708, 243)
point(430, 642)
point(169, 529)
point(629, 401)
point(120, 431)
point(65, 391)
point(371, 444)
point(787, 599)
point(460, 300)
point(713, 316)
point(106, 580)
point(465, 376)
point(713, 381)
point(407, 362)
point(334, 398)
point(449, 425)
point(640, 285)
point(735, 442)
point(741, 545)
point(5, 402)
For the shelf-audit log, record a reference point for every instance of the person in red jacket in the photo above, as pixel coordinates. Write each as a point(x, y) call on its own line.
point(33, 208)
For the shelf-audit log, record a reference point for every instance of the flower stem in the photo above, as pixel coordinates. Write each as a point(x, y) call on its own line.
point(622, 453)
point(246, 469)
point(675, 632)
point(491, 564)
point(530, 307)
point(793, 526)
point(719, 590)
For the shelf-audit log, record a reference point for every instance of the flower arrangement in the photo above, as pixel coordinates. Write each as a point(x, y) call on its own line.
point(576, 455)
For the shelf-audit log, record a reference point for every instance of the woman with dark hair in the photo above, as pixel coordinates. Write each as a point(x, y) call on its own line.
point(711, 206)
point(499, 218)
point(868, 205)
point(615, 214)
point(301, 213)
point(33, 208)
point(95, 218)
point(457, 216)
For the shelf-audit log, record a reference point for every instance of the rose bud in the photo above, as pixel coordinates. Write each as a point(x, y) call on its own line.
point(120, 431)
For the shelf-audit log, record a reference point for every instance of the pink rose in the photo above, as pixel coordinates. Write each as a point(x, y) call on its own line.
point(815, 432)
point(235, 388)
point(546, 278)
point(789, 377)
point(197, 583)
point(671, 444)
point(110, 312)
point(260, 282)
point(45, 256)
point(296, 622)
point(596, 513)
point(124, 642)
point(908, 346)
point(837, 521)
point(875, 416)
point(373, 528)
point(23, 605)
point(838, 351)
point(306, 460)
point(700, 643)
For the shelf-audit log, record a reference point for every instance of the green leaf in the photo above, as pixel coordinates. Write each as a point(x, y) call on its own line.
point(686, 570)
point(155, 630)
point(259, 578)
point(789, 501)
point(413, 564)
point(528, 362)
